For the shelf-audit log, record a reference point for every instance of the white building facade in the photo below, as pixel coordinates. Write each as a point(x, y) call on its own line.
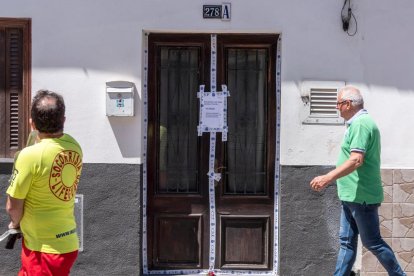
point(150, 203)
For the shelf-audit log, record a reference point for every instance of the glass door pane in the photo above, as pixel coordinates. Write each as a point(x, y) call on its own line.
point(247, 120)
point(178, 113)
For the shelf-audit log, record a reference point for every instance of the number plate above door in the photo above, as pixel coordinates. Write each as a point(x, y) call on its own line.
point(211, 11)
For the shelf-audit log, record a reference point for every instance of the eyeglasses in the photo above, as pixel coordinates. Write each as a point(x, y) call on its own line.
point(341, 102)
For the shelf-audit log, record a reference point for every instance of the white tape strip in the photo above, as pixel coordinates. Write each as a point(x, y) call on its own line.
point(200, 123)
point(206, 272)
point(212, 156)
point(243, 272)
point(144, 170)
point(225, 128)
point(213, 64)
point(178, 272)
point(211, 178)
point(277, 157)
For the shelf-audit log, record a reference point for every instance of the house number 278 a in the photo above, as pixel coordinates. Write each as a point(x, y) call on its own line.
point(217, 11)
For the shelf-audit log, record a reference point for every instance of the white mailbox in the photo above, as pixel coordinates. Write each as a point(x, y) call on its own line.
point(119, 98)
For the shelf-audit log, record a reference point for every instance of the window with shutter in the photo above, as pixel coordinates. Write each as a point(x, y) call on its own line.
point(14, 84)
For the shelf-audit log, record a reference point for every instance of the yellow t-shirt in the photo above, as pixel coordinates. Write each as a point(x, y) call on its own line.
point(46, 176)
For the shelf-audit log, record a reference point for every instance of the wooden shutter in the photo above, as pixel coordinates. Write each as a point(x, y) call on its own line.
point(14, 85)
point(2, 93)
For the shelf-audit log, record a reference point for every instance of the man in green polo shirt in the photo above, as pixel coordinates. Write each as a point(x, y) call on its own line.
point(359, 184)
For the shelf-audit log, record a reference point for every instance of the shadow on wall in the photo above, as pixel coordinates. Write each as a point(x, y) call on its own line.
point(127, 129)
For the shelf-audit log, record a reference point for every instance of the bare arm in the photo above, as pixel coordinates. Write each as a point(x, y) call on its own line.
point(15, 209)
point(356, 159)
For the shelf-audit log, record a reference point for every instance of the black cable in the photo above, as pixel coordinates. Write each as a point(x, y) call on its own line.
point(346, 16)
point(356, 25)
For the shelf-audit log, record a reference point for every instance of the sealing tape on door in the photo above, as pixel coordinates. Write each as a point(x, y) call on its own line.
point(212, 157)
point(225, 128)
point(277, 157)
point(144, 169)
point(213, 63)
point(212, 203)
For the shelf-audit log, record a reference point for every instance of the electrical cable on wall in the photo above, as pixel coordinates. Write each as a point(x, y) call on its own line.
point(346, 16)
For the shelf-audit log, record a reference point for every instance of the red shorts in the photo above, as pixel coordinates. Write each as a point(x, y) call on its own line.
point(35, 263)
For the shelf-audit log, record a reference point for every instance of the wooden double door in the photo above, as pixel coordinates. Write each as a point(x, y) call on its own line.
point(178, 217)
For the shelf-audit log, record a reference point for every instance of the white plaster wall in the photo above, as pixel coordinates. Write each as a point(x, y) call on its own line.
point(79, 45)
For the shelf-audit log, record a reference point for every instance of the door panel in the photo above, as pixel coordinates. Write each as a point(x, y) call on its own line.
point(178, 240)
point(244, 197)
point(178, 214)
point(246, 148)
point(178, 203)
point(246, 253)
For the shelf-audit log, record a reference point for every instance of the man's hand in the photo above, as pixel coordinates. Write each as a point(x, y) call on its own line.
point(13, 225)
point(355, 160)
point(320, 182)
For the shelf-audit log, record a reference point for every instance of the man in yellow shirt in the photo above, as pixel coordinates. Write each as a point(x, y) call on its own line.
point(42, 191)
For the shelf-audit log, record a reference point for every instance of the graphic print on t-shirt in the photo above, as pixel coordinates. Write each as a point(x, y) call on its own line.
point(13, 176)
point(65, 174)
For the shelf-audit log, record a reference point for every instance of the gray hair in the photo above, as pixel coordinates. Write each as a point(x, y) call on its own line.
point(352, 94)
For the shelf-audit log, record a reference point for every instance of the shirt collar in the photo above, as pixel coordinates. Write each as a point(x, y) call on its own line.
point(359, 113)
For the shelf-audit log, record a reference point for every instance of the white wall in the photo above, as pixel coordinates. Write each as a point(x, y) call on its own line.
point(79, 45)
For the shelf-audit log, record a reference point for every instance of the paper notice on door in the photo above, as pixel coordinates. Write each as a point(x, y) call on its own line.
point(212, 111)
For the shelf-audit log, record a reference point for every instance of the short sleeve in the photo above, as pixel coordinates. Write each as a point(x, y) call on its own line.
point(359, 138)
point(22, 176)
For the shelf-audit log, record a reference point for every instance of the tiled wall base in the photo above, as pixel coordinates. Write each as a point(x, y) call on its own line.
point(397, 222)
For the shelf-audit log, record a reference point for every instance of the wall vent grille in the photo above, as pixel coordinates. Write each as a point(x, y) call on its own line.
point(320, 99)
point(323, 102)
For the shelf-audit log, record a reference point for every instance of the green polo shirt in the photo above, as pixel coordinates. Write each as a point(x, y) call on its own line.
point(363, 184)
